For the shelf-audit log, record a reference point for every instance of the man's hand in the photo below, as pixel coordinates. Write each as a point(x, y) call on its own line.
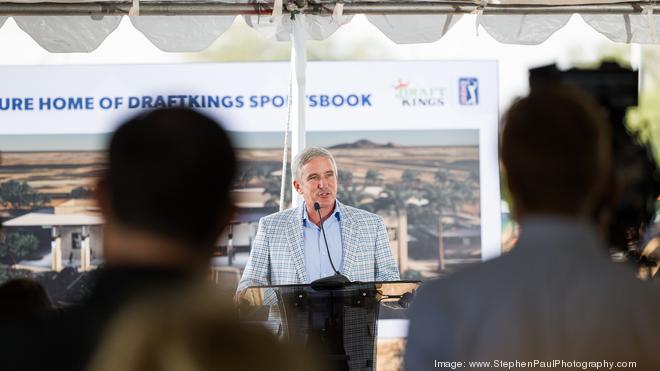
point(238, 296)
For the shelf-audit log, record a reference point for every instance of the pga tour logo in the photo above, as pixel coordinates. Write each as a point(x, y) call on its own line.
point(468, 91)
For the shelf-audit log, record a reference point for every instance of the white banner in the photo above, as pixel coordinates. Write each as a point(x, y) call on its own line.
point(408, 97)
point(251, 96)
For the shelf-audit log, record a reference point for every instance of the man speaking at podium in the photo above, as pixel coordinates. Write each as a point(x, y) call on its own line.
point(290, 247)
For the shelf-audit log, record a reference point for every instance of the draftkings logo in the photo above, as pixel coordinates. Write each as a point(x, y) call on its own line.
point(468, 91)
point(413, 96)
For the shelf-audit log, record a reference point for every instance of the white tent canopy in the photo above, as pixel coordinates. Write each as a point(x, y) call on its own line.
point(189, 25)
point(185, 26)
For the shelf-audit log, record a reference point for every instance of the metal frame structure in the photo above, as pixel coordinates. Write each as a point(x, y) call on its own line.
point(312, 7)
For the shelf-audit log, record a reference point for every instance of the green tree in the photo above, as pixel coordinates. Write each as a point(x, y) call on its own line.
point(645, 118)
point(7, 274)
point(242, 43)
point(410, 177)
point(250, 170)
point(445, 197)
point(395, 197)
point(373, 177)
point(17, 246)
point(349, 191)
point(81, 192)
point(273, 187)
point(245, 174)
point(20, 195)
point(440, 194)
point(447, 194)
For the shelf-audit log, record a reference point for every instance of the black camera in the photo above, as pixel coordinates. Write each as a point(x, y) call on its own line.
point(635, 182)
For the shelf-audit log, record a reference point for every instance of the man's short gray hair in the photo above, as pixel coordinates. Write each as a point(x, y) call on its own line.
point(306, 156)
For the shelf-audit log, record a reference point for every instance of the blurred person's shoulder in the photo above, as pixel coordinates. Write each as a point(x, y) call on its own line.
point(471, 283)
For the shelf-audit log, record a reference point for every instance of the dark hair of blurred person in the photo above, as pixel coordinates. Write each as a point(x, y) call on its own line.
point(21, 297)
point(556, 152)
point(168, 178)
point(165, 201)
point(196, 330)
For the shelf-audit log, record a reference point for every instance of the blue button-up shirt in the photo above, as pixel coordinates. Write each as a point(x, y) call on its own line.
point(316, 255)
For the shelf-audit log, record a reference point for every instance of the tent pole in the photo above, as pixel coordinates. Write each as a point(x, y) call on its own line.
point(298, 103)
point(637, 63)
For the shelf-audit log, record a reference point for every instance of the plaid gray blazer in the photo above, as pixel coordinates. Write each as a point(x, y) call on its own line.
point(277, 256)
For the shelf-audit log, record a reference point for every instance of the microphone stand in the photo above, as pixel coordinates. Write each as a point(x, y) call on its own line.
point(335, 281)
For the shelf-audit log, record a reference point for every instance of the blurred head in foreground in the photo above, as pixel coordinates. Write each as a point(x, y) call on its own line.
point(165, 195)
point(555, 151)
point(557, 295)
point(194, 331)
point(21, 298)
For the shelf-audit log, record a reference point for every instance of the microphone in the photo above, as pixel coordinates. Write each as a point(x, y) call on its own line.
point(336, 281)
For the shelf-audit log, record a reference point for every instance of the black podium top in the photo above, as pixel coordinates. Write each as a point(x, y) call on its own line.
point(387, 291)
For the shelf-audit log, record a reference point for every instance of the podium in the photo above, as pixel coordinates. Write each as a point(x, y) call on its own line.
point(340, 323)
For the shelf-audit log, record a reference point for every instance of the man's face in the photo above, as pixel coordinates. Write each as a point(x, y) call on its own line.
point(318, 183)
